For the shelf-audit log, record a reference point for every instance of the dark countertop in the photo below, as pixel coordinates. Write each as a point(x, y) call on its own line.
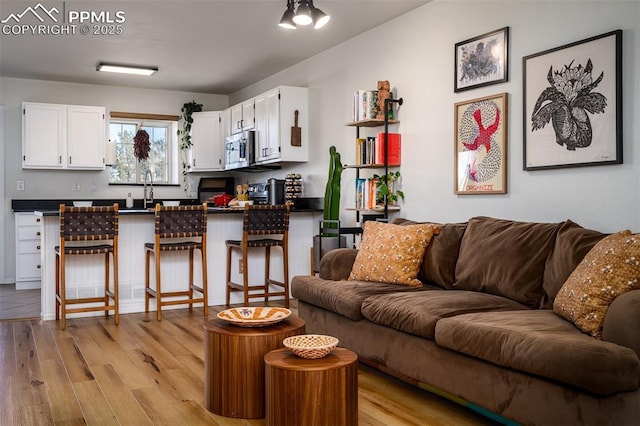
point(51, 207)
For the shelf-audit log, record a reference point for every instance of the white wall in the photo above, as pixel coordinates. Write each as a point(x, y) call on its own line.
point(48, 184)
point(4, 213)
point(415, 52)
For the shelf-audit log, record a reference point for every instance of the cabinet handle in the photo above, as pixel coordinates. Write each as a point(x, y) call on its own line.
point(69, 159)
point(38, 220)
point(60, 159)
point(38, 247)
point(38, 266)
point(194, 162)
point(38, 233)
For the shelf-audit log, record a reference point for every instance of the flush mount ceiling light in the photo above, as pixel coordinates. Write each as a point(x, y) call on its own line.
point(126, 69)
point(305, 14)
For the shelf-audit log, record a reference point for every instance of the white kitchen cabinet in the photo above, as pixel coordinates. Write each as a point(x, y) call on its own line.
point(206, 153)
point(225, 123)
point(243, 116)
point(63, 136)
point(275, 118)
point(28, 229)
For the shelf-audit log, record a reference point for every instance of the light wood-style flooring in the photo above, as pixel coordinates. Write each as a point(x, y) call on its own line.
point(145, 372)
point(18, 303)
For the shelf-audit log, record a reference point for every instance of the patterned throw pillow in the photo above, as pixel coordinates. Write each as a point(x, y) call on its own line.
point(392, 253)
point(610, 269)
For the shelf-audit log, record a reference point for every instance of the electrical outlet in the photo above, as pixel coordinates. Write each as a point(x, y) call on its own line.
point(76, 186)
point(240, 266)
point(94, 187)
point(20, 185)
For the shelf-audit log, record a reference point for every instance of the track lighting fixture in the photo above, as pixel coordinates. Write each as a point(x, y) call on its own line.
point(305, 14)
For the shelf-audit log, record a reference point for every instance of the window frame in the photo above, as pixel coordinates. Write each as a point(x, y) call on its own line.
point(170, 123)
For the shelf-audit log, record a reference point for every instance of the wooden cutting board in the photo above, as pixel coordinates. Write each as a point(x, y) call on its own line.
point(296, 132)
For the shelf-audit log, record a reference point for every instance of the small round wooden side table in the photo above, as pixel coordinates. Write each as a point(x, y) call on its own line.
point(234, 365)
point(311, 391)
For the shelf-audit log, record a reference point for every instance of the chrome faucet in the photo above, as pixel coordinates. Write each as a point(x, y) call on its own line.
point(148, 192)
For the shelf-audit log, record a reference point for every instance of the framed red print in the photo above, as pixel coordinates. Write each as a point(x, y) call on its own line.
point(480, 159)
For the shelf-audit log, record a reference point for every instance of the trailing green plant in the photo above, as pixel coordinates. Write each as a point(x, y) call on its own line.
point(184, 133)
point(332, 190)
point(387, 187)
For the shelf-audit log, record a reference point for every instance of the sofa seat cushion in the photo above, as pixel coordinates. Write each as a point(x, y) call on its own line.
point(541, 343)
point(343, 297)
point(418, 313)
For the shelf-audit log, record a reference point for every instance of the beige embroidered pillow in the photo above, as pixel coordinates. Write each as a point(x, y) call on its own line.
point(392, 253)
point(610, 269)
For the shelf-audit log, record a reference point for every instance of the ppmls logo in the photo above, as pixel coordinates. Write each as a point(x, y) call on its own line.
point(33, 11)
point(40, 20)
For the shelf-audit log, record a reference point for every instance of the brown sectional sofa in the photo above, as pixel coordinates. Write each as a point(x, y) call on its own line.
point(481, 329)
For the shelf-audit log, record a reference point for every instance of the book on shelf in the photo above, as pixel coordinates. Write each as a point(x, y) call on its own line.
point(366, 193)
point(360, 185)
point(365, 104)
point(395, 148)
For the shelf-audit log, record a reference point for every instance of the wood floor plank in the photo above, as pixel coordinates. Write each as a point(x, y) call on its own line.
point(91, 351)
point(127, 409)
point(35, 415)
point(28, 373)
point(74, 361)
point(64, 404)
point(95, 408)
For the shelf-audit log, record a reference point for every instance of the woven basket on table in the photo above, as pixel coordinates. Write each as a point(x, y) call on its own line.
point(310, 346)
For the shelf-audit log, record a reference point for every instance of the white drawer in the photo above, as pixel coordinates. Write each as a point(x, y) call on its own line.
point(28, 247)
point(28, 219)
point(28, 267)
point(29, 233)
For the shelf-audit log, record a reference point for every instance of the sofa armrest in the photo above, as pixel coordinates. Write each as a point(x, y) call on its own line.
point(336, 265)
point(622, 322)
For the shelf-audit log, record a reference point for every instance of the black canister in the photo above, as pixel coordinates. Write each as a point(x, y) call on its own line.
point(276, 191)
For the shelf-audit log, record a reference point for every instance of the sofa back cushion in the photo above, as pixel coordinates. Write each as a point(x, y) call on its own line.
point(439, 264)
point(572, 244)
point(505, 258)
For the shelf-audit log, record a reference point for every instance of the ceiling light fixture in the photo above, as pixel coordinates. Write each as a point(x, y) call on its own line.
point(305, 14)
point(126, 69)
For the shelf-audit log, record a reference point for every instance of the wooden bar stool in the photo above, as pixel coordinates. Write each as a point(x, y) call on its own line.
point(85, 226)
point(260, 221)
point(174, 225)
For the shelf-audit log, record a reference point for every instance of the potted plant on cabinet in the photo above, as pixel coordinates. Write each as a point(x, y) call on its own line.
point(329, 237)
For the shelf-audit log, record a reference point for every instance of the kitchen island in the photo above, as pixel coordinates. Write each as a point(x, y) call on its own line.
point(136, 226)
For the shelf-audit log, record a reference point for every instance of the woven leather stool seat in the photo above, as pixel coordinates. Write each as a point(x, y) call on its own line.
point(88, 230)
point(177, 223)
point(260, 221)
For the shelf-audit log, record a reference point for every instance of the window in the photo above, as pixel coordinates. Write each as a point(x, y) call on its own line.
point(163, 156)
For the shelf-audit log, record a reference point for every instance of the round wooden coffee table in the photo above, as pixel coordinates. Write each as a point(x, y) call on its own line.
point(234, 365)
point(311, 391)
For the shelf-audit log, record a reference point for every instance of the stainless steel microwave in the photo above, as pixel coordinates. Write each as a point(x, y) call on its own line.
point(239, 150)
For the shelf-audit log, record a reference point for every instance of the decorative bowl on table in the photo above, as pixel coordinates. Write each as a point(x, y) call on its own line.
point(171, 203)
point(254, 316)
point(310, 346)
point(82, 203)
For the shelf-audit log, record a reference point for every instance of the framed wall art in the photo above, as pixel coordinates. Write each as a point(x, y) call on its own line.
point(480, 159)
point(482, 60)
point(573, 104)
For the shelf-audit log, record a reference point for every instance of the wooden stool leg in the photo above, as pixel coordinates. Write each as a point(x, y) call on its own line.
point(63, 291)
point(205, 290)
point(158, 288)
point(285, 259)
point(229, 255)
point(57, 287)
point(146, 280)
point(106, 285)
point(116, 294)
point(267, 272)
point(190, 279)
point(245, 274)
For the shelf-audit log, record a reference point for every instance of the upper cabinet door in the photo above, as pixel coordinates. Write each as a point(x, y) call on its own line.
point(85, 137)
point(43, 135)
point(267, 107)
point(236, 119)
point(206, 142)
point(248, 114)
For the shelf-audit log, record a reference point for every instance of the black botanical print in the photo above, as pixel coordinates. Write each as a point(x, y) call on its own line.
point(566, 104)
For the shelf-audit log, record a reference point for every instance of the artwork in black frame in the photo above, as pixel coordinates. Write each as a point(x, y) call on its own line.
point(482, 60)
point(573, 104)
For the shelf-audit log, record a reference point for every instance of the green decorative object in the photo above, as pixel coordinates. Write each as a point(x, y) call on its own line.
point(387, 187)
point(332, 191)
point(185, 134)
